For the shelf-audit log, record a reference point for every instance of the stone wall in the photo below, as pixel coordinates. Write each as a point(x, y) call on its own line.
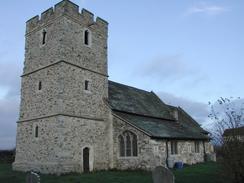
point(146, 158)
point(68, 116)
point(65, 39)
point(63, 92)
point(37, 103)
point(186, 152)
point(153, 152)
point(60, 143)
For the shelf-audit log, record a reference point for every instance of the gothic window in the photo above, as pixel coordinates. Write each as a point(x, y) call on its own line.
point(128, 144)
point(86, 85)
point(87, 37)
point(36, 131)
point(39, 85)
point(174, 147)
point(197, 147)
point(44, 36)
point(122, 146)
point(134, 144)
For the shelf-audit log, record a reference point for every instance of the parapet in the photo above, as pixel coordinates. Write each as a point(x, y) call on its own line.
point(65, 7)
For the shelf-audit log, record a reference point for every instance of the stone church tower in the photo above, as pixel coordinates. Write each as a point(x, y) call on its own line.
point(64, 123)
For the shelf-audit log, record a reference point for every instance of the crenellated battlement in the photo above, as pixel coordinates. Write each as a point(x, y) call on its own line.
point(67, 8)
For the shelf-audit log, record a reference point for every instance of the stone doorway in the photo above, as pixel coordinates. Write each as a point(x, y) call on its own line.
point(86, 167)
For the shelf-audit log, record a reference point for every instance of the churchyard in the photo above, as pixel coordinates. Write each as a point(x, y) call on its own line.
point(200, 173)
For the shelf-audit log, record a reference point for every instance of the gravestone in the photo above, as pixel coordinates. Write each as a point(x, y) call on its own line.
point(162, 175)
point(32, 177)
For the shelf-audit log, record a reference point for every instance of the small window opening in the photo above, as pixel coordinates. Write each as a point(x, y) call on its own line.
point(197, 147)
point(44, 35)
point(86, 85)
point(40, 85)
point(36, 131)
point(86, 37)
point(174, 147)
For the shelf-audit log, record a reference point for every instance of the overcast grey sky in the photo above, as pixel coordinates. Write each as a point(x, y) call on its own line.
point(189, 52)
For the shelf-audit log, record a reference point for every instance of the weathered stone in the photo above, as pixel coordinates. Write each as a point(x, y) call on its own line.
point(162, 175)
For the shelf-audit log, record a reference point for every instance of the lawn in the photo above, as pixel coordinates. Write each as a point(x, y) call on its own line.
point(201, 173)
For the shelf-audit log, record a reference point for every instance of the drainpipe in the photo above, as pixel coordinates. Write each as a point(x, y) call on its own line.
point(167, 154)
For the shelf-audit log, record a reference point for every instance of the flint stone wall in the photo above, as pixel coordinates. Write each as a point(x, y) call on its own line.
point(59, 146)
point(152, 152)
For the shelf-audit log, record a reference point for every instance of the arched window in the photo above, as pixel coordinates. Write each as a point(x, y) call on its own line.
point(122, 146)
point(134, 145)
point(128, 144)
point(44, 36)
point(87, 37)
point(36, 131)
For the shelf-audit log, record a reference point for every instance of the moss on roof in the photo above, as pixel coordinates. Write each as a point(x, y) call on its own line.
point(147, 112)
point(161, 128)
point(134, 100)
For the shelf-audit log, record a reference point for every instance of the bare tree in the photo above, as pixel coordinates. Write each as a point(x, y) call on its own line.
point(228, 113)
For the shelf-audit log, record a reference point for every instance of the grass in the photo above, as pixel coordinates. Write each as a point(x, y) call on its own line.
point(201, 173)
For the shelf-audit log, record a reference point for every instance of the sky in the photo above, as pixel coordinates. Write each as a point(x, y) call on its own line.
point(189, 52)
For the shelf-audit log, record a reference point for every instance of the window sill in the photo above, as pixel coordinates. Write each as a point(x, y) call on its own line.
point(174, 155)
point(87, 91)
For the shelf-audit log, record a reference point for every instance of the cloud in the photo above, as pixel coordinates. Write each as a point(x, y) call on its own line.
point(171, 70)
point(9, 108)
point(10, 77)
point(207, 9)
point(9, 102)
point(199, 111)
point(165, 68)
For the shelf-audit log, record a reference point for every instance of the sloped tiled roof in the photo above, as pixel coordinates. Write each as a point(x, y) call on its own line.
point(133, 100)
point(161, 128)
point(147, 112)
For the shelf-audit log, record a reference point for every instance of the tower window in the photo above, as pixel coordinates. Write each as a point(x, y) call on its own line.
point(44, 36)
point(87, 37)
point(36, 131)
point(86, 85)
point(39, 85)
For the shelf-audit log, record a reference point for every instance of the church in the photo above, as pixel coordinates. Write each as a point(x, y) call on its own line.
point(73, 119)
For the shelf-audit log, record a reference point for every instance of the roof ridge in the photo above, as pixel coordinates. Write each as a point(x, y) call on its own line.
point(130, 86)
